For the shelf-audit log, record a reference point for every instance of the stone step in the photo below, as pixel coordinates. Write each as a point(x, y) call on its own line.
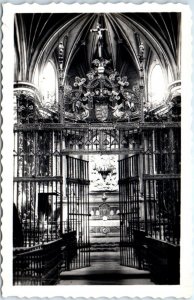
point(101, 247)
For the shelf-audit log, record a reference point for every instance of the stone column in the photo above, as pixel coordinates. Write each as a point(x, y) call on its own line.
point(64, 190)
point(141, 183)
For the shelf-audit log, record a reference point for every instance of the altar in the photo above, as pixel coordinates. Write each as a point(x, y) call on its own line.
point(104, 199)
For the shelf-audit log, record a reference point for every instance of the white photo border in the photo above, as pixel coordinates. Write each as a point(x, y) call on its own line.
point(156, 291)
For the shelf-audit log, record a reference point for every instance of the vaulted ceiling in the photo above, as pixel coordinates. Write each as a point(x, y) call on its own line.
point(37, 37)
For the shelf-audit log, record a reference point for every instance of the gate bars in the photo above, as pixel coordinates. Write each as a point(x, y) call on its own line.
point(149, 181)
point(162, 208)
point(129, 209)
point(161, 180)
point(38, 204)
point(78, 210)
point(37, 186)
point(149, 192)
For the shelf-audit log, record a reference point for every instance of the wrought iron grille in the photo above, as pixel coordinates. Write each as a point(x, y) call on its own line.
point(38, 203)
point(78, 210)
point(38, 265)
point(149, 193)
point(162, 151)
point(149, 182)
point(162, 208)
point(99, 140)
point(129, 209)
point(38, 185)
point(161, 181)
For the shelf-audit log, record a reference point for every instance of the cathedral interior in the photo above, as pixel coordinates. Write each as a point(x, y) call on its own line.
point(97, 149)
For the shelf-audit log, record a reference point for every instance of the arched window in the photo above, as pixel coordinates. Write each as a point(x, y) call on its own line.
point(49, 84)
point(156, 85)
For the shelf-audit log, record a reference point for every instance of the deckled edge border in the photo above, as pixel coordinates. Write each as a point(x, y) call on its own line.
point(42, 2)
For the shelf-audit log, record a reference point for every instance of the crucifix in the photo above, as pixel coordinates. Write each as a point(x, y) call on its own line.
point(99, 30)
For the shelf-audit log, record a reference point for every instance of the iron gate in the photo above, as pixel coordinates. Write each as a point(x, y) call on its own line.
point(129, 209)
point(161, 181)
point(78, 211)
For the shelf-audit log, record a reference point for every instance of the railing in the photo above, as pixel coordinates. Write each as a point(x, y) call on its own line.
point(68, 250)
point(42, 264)
point(38, 265)
point(75, 252)
point(35, 233)
point(164, 261)
point(161, 258)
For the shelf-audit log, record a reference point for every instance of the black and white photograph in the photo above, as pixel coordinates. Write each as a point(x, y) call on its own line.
point(97, 154)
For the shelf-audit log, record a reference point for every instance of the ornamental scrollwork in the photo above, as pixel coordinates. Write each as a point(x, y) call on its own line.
point(103, 96)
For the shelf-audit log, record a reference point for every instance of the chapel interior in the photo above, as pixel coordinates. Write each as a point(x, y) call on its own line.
point(97, 148)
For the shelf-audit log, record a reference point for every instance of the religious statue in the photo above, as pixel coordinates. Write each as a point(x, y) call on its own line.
point(86, 112)
point(81, 111)
point(117, 112)
point(102, 89)
point(99, 30)
point(141, 49)
point(130, 105)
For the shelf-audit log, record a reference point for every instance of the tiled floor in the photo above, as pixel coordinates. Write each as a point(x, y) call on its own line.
point(105, 270)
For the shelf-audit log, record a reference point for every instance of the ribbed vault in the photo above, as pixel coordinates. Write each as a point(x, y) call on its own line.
point(40, 35)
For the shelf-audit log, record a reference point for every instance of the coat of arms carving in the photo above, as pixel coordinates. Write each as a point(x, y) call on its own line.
point(101, 112)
